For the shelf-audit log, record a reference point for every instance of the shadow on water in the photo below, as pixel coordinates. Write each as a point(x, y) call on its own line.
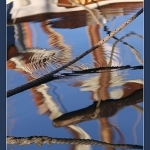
point(44, 35)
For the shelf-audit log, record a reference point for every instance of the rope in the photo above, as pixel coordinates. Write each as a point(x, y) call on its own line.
point(133, 50)
point(114, 37)
point(39, 140)
point(74, 73)
point(44, 78)
point(94, 70)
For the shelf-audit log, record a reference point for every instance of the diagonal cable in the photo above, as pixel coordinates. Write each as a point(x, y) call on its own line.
point(44, 78)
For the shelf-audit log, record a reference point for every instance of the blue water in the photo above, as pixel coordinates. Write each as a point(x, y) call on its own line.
point(69, 94)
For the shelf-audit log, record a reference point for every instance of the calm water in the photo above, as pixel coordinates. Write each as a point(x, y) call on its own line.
point(41, 37)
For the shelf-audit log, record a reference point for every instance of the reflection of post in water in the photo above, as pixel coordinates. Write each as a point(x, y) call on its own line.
point(21, 62)
point(107, 108)
point(101, 93)
point(99, 56)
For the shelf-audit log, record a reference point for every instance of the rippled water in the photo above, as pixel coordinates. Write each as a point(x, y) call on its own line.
point(43, 36)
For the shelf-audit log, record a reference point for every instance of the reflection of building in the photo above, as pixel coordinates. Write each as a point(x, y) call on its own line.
point(28, 60)
point(37, 60)
point(106, 80)
point(25, 59)
point(49, 10)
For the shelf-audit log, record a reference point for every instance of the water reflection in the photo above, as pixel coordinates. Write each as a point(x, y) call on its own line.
point(32, 62)
point(26, 57)
point(65, 17)
point(100, 84)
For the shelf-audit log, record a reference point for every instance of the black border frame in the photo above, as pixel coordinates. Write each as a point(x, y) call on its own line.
point(3, 75)
point(146, 75)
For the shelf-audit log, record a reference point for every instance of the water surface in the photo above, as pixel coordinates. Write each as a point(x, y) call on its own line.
point(39, 42)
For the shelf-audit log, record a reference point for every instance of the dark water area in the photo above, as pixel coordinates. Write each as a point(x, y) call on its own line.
point(102, 104)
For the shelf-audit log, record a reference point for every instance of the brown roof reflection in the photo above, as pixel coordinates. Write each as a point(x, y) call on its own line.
point(75, 19)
